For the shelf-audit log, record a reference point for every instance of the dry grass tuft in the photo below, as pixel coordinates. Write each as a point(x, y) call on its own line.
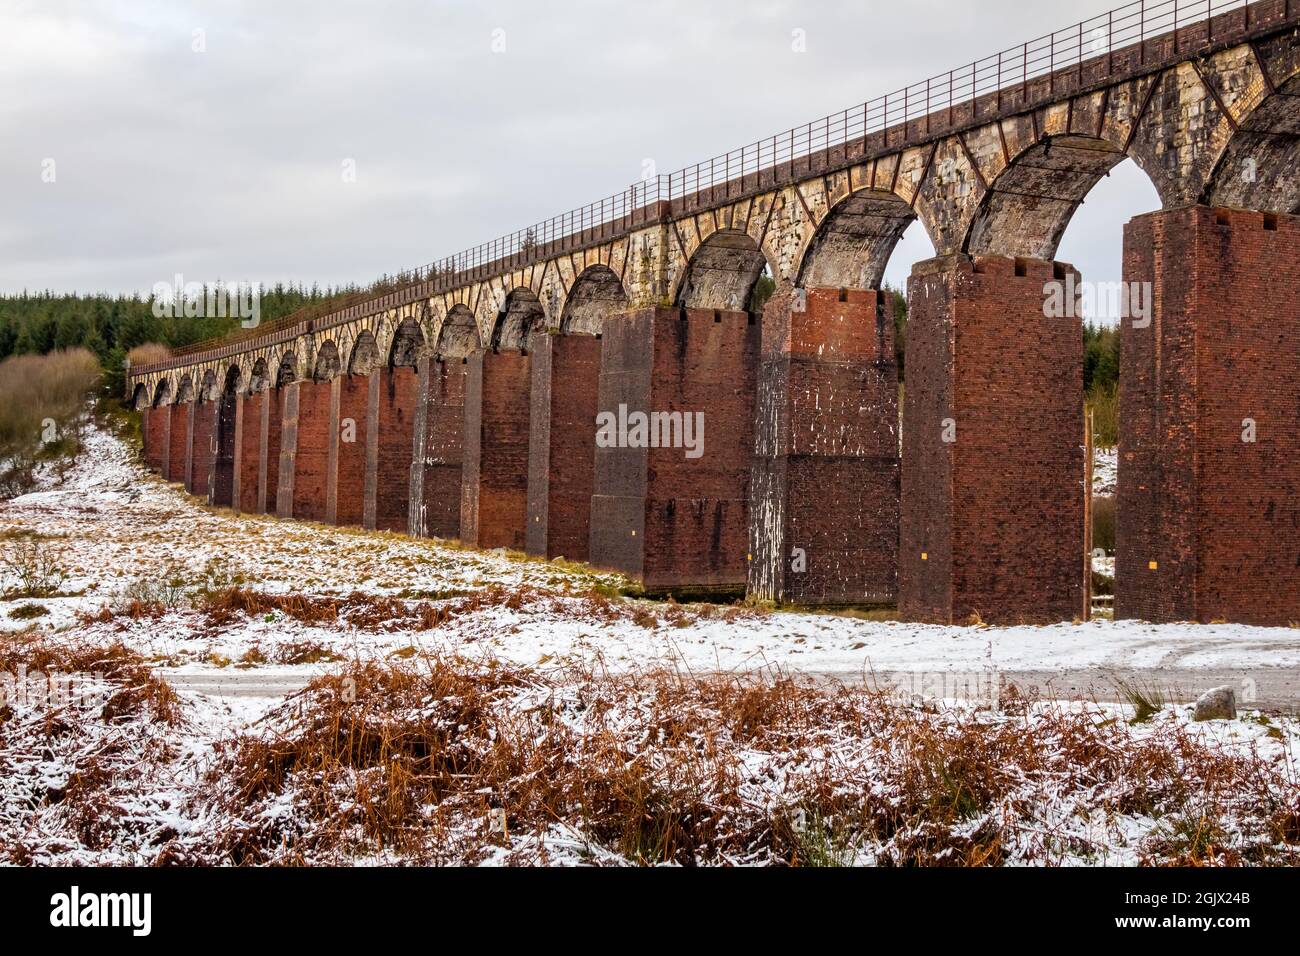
point(40, 399)
point(440, 760)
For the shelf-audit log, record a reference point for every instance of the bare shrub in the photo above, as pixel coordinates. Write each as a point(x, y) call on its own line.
point(41, 397)
point(1103, 523)
point(148, 354)
point(35, 566)
point(1103, 402)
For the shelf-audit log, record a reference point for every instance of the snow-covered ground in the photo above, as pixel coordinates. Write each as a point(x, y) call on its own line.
point(116, 528)
point(1105, 469)
point(120, 534)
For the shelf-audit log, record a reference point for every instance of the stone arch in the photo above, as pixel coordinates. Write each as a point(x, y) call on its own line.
point(1029, 205)
point(722, 272)
point(1260, 168)
point(208, 389)
point(852, 245)
point(408, 343)
point(162, 394)
point(327, 362)
point(365, 354)
point(458, 336)
point(184, 390)
point(382, 330)
point(139, 397)
point(521, 315)
point(233, 380)
point(287, 371)
point(596, 294)
point(258, 379)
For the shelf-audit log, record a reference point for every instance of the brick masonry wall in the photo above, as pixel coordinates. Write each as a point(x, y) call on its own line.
point(274, 412)
point(177, 442)
point(205, 419)
point(495, 486)
point(397, 397)
point(1208, 525)
point(286, 465)
point(250, 452)
point(444, 448)
point(679, 524)
point(154, 429)
point(565, 379)
point(354, 394)
point(310, 476)
point(993, 523)
point(826, 467)
point(620, 478)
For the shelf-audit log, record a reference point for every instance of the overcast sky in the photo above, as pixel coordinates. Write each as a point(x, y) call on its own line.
point(209, 138)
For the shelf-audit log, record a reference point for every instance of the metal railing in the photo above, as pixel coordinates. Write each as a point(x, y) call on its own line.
point(1096, 40)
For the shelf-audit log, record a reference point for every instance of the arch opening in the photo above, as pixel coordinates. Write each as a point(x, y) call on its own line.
point(287, 372)
point(208, 390)
point(458, 337)
point(327, 362)
point(854, 243)
point(722, 273)
point(1260, 169)
point(520, 317)
point(365, 354)
point(223, 477)
point(258, 380)
point(596, 294)
point(408, 343)
point(140, 397)
point(1029, 205)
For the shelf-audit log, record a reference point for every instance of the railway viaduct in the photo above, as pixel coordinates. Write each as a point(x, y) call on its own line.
point(464, 404)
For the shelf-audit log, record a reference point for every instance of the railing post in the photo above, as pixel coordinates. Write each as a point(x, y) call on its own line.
point(1081, 55)
point(999, 89)
point(1142, 33)
point(1024, 76)
point(1110, 42)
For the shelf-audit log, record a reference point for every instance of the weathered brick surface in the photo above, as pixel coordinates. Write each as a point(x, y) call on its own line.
point(271, 461)
point(678, 524)
point(178, 448)
point(993, 522)
point(286, 466)
point(444, 448)
point(824, 513)
point(153, 427)
point(250, 453)
point(397, 397)
point(1208, 525)
point(201, 448)
point(354, 392)
point(311, 477)
point(562, 444)
point(494, 492)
